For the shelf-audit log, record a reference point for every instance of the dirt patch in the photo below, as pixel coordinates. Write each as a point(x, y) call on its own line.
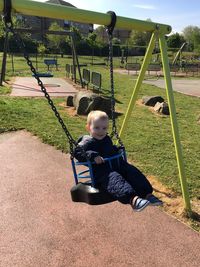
point(71, 111)
point(174, 205)
point(139, 103)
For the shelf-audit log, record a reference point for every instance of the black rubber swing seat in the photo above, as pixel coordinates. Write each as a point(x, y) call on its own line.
point(84, 192)
point(43, 74)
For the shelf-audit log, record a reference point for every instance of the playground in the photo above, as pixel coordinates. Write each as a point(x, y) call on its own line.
point(47, 219)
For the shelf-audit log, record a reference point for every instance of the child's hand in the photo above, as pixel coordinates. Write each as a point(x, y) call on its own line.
point(99, 160)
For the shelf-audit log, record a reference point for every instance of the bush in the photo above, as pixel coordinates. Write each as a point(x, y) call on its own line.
point(30, 44)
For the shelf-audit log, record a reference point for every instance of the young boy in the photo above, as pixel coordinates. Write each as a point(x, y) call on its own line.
point(123, 181)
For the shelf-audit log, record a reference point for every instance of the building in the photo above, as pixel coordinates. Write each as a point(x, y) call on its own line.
point(122, 35)
point(42, 24)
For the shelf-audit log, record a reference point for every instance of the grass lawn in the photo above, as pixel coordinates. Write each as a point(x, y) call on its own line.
point(148, 138)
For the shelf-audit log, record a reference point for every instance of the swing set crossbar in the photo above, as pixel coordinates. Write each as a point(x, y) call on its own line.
point(54, 11)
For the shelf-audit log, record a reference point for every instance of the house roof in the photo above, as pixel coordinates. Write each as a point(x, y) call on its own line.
point(60, 2)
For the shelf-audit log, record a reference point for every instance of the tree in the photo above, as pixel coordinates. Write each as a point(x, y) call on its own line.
point(55, 42)
point(18, 22)
point(41, 49)
point(116, 41)
point(77, 35)
point(91, 39)
point(192, 36)
point(175, 40)
point(138, 38)
point(100, 32)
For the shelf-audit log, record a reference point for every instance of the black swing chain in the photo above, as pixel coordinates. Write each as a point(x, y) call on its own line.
point(109, 30)
point(20, 43)
point(9, 27)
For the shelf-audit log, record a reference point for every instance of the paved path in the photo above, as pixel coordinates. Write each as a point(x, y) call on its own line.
point(41, 226)
point(184, 86)
point(28, 86)
point(188, 87)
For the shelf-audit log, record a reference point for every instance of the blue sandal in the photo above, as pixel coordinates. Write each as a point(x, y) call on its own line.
point(139, 204)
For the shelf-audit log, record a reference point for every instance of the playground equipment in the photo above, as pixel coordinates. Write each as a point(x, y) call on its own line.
point(48, 62)
point(178, 54)
point(123, 59)
point(43, 74)
point(157, 30)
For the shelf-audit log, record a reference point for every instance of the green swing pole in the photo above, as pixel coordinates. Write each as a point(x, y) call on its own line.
point(33, 8)
point(174, 124)
point(140, 78)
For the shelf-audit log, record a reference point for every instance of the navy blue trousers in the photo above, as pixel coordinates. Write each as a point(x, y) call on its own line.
point(124, 182)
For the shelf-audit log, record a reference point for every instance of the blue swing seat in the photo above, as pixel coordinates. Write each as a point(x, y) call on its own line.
point(86, 191)
point(43, 74)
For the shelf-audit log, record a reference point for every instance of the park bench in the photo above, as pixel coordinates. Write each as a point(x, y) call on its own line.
point(51, 62)
point(86, 77)
point(174, 68)
point(191, 68)
point(133, 66)
point(154, 67)
point(96, 80)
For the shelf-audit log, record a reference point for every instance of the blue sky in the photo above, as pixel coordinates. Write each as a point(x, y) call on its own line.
point(177, 13)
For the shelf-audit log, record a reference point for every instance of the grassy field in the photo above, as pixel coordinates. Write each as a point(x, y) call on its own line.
point(148, 138)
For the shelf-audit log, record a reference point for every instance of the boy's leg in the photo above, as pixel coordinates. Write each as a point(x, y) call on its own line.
point(118, 187)
point(136, 179)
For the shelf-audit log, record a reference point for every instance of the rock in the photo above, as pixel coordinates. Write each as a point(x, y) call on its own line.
point(69, 101)
point(85, 101)
point(162, 108)
point(151, 100)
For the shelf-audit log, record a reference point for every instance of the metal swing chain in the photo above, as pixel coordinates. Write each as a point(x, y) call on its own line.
point(21, 45)
point(109, 30)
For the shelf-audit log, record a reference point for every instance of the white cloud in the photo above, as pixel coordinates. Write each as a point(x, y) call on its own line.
point(145, 6)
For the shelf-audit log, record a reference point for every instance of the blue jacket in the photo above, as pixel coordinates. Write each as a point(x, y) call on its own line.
point(93, 148)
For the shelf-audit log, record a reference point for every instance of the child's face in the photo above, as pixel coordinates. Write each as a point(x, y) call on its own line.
point(98, 128)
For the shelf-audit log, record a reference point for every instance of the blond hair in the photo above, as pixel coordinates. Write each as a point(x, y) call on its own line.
point(95, 115)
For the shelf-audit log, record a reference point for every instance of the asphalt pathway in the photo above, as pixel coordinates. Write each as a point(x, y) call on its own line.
point(41, 226)
point(187, 87)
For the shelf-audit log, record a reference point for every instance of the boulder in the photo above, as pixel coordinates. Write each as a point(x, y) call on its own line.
point(151, 100)
point(85, 101)
point(162, 108)
point(69, 101)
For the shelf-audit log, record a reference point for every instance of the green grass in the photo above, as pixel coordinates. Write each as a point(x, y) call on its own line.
point(5, 90)
point(148, 138)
